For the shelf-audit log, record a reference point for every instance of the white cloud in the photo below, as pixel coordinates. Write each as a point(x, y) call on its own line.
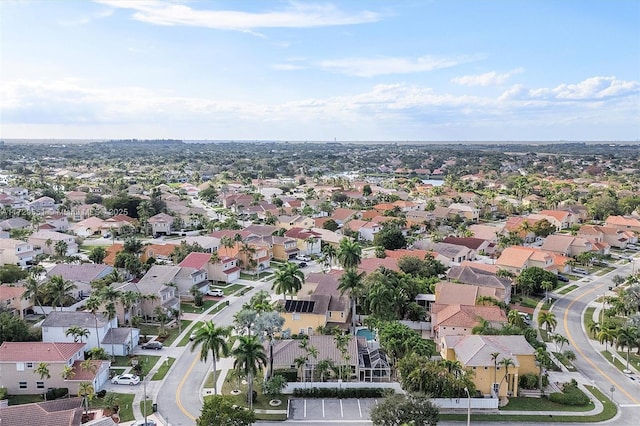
point(487, 79)
point(297, 15)
point(590, 89)
point(370, 67)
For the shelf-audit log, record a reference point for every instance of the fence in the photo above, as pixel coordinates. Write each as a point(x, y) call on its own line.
point(463, 403)
point(341, 385)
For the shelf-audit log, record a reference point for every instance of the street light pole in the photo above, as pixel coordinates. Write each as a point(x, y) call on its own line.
point(468, 406)
point(144, 382)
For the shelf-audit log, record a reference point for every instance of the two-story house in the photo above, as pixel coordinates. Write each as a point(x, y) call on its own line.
point(571, 246)
point(42, 205)
point(607, 234)
point(47, 240)
point(16, 252)
point(12, 300)
point(81, 275)
point(308, 242)
point(57, 222)
point(366, 230)
point(161, 224)
point(19, 361)
point(516, 259)
point(159, 288)
point(624, 223)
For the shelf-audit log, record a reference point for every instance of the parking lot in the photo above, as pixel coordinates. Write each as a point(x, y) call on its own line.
point(331, 409)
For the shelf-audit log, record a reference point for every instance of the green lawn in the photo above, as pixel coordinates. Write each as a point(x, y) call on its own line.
point(262, 401)
point(232, 289)
point(608, 412)
point(152, 330)
point(125, 403)
point(193, 309)
point(146, 406)
point(211, 378)
point(560, 357)
point(634, 358)
point(588, 318)
point(185, 339)
point(163, 369)
point(567, 289)
point(148, 361)
point(540, 404)
point(604, 270)
point(615, 361)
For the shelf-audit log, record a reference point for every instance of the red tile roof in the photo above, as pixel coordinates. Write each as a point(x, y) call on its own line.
point(196, 260)
point(38, 351)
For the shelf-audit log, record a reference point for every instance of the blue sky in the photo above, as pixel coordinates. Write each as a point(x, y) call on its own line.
point(443, 70)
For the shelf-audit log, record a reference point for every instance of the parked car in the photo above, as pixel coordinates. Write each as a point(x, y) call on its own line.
point(581, 271)
point(215, 292)
point(303, 257)
point(192, 337)
point(126, 379)
point(152, 345)
point(563, 278)
point(302, 264)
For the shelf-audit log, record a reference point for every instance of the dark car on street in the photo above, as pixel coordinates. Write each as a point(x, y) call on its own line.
point(152, 345)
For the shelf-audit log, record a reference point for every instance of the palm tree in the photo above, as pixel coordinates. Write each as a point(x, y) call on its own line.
point(515, 319)
point(93, 304)
point(214, 339)
point(77, 332)
point(606, 335)
point(248, 253)
point(67, 372)
point(162, 318)
point(507, 362)
point(43, 371)
point(60, 290)
point(329, 253)
point(594, 328)
point(86, 391)
point(32, 288)
point(250, 358)
point(546, 286)
point(351, 282)
point(494, 358)
point(559, 339)
point(60, 248)
point(548, 320)
point(627, 337)
point(97, 254)
point(349, 254)
point(289, 278)
point(323, 367)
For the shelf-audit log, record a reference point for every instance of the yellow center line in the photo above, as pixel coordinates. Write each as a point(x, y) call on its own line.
point(179, 390)
point(577, 348)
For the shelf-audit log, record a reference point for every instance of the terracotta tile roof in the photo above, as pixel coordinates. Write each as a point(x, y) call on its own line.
point(196, 260)
point(85, 375)
point(85, 272)
point(420, 254)
point(559, 215)
point(468, 315)
point(343, 214)
point(369, 265)
point(112, 251)
point(472, 243)
point(10, 292)
point(38, 351)
point(476, 350)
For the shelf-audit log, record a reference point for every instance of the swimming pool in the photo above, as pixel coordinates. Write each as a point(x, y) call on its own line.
point(366, 333)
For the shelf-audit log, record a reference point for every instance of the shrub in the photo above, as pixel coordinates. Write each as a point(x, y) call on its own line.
point(571, 395)
point(3, 393)
point(343, 393)
point(290, 375)
point(528, 381)
point(56, 393)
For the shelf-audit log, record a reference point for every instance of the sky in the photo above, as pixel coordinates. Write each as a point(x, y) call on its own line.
point(307, 70)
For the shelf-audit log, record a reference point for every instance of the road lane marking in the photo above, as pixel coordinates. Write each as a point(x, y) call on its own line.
point(179, 390)
point(305, 408)
point(341, 410)
point(323, 408)
point(573, 344)
point(359, 408)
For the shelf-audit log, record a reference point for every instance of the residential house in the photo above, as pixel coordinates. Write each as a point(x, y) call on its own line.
point(261, 230)
point(12, 300)
point(624, 223)
point(42, 205)
point(78, 197)
point(224, 269)
point(476, 244)
point(81, 275)
point(19, 361)
point(283, 248)
point(420, 218)
point(297, 221)
point(561, 219)
point(14, 223)
point(490, 375)
point(516, 259)
point(338, 311)
point(568, 245)
point(156, 291)
point(459, 320)
point(103, 333)
point(47, 240)
point(468, 211)
point(161, 224)
point(448, 293)
point(329, 237)
point(607, 234)
point(57, 222)
point(16, 252)
point(486, 232)
point(183, 278)
point(367, 363)
point(87, 227)
point(455, 254)
point(366, 231)
point(117, 224)
point(341, 215)
point(469, 273)
point(308, 241)
point(64, 411)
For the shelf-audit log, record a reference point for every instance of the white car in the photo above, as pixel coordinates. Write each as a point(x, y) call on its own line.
point(126, 379)
point(303, 257)
point(215, 292)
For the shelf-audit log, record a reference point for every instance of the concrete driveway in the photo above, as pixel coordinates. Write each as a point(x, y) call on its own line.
point(331, 409)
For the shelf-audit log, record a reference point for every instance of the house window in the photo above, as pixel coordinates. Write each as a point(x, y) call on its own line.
point(329, 314)
point(302, 331)
point(29, 365)
point(40, 385)
point(296, 317)
point(341, 314)
point(23, 385)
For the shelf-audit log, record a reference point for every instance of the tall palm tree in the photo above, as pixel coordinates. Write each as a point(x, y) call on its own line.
point(507, 362)
point(86, 391)
point(546, 286)
point(60, 290)
point(329, 253)
point(548, 320)
point(494, 358)
point(78, 333)
point(32, 289)
point(250, 358)
point(248, 253)
point(43, 371)
point(214, 339)
point(93, 304)
point(627, 337)
point(514, 318)
point(349, 253)
point(607, 335)
point(594, 328)
point(351, 282)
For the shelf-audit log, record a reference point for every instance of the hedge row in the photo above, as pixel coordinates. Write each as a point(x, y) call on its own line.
point(343, 392)
point(571, 396)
